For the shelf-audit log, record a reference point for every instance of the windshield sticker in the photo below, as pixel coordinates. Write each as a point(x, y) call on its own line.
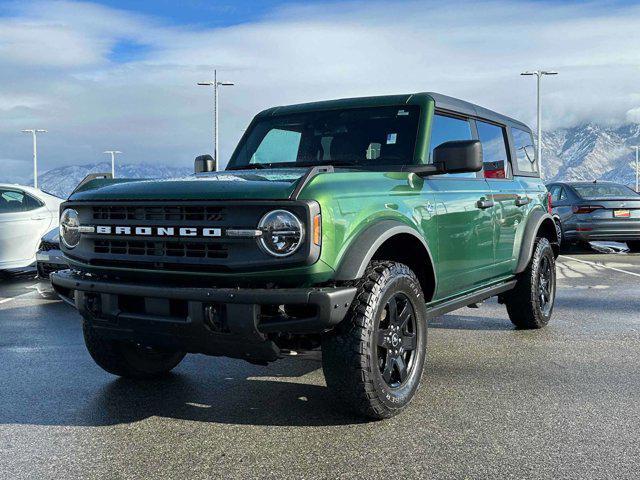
point(391, 138)
point(403, 113)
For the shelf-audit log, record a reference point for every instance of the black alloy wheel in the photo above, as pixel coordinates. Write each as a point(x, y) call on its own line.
point(397, 340)
point(546, 290)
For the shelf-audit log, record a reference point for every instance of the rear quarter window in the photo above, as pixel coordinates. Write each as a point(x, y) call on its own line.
point(494, 150)
point(526, 161)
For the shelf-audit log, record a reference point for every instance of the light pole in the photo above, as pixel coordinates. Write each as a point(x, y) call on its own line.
point(539, 74)
point(637, 147)
point(215, 84)
point(34, 132)
point(113, 154)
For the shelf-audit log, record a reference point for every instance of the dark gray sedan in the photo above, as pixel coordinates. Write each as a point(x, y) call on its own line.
point(596, 211)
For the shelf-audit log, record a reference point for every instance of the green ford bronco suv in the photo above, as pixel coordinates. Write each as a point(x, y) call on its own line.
point(341, 226)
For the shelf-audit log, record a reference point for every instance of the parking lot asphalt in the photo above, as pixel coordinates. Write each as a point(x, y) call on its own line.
point(495, 402)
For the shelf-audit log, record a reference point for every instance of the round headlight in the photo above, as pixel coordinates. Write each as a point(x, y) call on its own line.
point(70, 228)
point(282, 233)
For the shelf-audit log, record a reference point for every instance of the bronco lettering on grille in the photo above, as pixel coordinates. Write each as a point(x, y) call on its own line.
point(159, 231)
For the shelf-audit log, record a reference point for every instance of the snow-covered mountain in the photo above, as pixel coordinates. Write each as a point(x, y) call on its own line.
point(586, 152)
point(589, 152)
point(61, 181)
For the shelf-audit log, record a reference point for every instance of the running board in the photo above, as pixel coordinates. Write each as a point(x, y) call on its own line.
point(474, 297)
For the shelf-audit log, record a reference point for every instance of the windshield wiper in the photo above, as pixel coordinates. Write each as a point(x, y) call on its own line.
point(339, 164)
point(333, 163)
point(252, 166)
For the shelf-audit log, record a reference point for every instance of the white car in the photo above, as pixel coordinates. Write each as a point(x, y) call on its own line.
point(26, 214)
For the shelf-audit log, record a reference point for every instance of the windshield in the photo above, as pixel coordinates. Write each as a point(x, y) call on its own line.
point(604, 190)
point(351, 137)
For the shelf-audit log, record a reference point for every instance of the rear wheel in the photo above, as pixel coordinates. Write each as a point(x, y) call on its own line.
point(530, 303)
point(128, 359)
point(559, 231)
point(634, 246)
point(374, 359)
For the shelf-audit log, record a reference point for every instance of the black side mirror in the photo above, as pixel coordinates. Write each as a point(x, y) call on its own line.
point(204, 163)
point(459, 156)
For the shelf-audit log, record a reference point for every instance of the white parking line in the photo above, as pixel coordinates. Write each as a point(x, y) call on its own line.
point(602, 265)
point(6, 300)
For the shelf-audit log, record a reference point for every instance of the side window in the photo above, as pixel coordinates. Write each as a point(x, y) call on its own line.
point(30, 203)
point(278, 146)
point(563, 194)
point(555, 192)
point(12, 201)
point(494, 150)
point(446, 129)
point(525, 151)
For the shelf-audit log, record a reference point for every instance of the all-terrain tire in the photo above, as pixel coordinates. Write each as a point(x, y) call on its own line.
point(364, 375)
point(634, 246)
point(127, 359)
point(559, 231)
point(530, 303)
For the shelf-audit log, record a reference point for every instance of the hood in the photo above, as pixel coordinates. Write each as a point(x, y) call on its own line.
point(268, 184)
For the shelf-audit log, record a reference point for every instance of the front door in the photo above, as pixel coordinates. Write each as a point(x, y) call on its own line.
point(464, 212)
point(465, 233)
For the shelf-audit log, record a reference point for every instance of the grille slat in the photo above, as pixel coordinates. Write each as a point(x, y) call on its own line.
point(169, 213)
point(167, 249)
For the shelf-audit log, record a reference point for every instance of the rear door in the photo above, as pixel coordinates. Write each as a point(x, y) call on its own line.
point(562, 200)
point(23, 220)
point(508, 195)
point(464, 215)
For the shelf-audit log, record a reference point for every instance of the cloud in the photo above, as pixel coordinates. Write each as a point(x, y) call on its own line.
point(633, 115)
point(63, 68)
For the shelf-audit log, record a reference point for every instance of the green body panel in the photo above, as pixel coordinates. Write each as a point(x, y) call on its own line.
point(465, 233)
point(470, 247)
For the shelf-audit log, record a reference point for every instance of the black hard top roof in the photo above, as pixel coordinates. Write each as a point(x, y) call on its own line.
point(442, 102)
point(460, 106)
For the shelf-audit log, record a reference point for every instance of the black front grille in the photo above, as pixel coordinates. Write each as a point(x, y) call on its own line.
point(161, 248)
point(159, 251)
point(173, 213)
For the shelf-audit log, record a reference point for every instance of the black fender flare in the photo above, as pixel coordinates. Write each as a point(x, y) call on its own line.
point(536, 220)
point(362, 249)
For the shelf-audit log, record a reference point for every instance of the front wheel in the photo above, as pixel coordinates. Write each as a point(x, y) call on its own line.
point(374, 359)
point(530, 303)
point(128, 359)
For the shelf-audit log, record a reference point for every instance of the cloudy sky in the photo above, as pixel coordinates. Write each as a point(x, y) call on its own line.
point(122, 74)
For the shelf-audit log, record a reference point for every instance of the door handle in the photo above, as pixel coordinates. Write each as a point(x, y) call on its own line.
point(38, 217)
point(522, 201)
point(484, 203)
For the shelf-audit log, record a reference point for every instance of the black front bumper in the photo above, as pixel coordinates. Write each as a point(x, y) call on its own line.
point(216, 321)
